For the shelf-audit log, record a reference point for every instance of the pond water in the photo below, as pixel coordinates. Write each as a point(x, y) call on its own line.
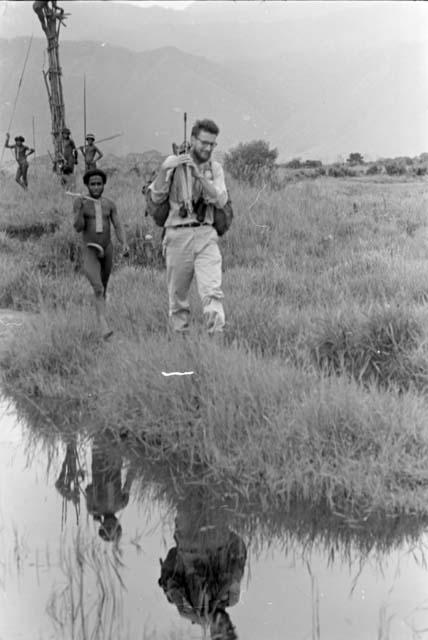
point(288, 576)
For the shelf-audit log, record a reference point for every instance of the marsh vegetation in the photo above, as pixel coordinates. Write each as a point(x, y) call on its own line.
point(318, 393)
point(81, 586)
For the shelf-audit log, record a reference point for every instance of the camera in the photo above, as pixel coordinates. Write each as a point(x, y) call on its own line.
point(199, 209)
point(179, 149)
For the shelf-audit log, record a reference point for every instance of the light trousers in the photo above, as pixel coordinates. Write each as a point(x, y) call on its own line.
point(194, 252)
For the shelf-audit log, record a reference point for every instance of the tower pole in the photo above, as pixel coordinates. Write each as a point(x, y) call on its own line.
point(52, 17)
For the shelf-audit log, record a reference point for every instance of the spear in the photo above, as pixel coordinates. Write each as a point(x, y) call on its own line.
point(84, 113)
point(17, 92)
point(34, 136)
point(116, 135)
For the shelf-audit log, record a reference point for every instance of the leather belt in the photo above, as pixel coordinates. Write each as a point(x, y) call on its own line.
point(191, 224)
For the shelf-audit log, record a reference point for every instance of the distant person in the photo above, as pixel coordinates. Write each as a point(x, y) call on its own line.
point(40, 6)
point(94, 216)
point(201, 575)
point(45, 13)
point(21, 154)
point(106, 495)
point(69, 159)
point(192, 183)
point(90, 153)
point(55, 10)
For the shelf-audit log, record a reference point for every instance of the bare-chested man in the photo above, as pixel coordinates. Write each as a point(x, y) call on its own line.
point(91, 153)
point(94, 216)
point(45, 12)
point(69, 152)
point(21, 154)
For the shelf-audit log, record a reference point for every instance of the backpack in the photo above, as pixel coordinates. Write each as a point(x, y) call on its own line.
point(223, 217)
point(159, 211)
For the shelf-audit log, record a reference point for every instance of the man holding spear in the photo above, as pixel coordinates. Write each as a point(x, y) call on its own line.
point(21, 154)
point(90, 152)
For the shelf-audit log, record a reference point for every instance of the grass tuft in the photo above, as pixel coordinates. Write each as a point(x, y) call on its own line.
point(319, 392)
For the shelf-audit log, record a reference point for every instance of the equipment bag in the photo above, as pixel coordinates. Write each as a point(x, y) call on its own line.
point(159, 211)
point(223, 217)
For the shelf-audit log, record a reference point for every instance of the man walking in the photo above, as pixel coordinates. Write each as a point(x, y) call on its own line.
point(21, 154)
point(90, 153)
point(193, 183)
point(69, 153)
point(93, 217)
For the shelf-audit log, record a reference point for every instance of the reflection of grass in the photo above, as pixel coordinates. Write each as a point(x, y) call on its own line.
point(15, 552)
point(315, 604)
point(319, 393)
point(89, 603)
point(351, 525)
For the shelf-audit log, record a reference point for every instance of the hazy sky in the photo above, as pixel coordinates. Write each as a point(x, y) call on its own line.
point(362, 62)
point(170, 4)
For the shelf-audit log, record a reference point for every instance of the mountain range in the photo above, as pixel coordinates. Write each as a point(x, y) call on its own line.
point(292, 78)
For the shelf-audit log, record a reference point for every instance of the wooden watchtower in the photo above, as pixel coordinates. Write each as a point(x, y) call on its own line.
point(51, 18)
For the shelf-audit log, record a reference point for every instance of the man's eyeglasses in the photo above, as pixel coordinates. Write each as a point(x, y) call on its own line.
point(205, 143)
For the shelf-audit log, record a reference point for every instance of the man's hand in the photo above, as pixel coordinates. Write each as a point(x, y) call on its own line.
point(125, 251)
point(194, 168)
point(186, 159)
point(175, 161)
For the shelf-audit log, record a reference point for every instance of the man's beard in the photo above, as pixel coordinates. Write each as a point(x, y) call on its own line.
point(200, 158)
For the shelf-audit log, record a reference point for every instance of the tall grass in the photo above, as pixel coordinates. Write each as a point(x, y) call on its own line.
point(167, 483)
point(319, 391)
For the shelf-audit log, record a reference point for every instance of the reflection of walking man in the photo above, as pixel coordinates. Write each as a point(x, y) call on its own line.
point(201, 575)
point(68, 480)
point(106, 495)
point(21, 154)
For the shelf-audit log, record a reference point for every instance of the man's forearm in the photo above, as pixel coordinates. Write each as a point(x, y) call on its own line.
point(160, 186)
point(79, 222)
point(120, 232)
point(208, 188)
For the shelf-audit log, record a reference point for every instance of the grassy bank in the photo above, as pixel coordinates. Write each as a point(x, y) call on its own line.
point(319, 391)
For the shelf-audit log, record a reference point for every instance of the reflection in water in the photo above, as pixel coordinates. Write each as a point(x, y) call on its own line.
point(68, 482)
point(338, 532)
point(201, 575)
point(105, 496)
point(97, 612)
